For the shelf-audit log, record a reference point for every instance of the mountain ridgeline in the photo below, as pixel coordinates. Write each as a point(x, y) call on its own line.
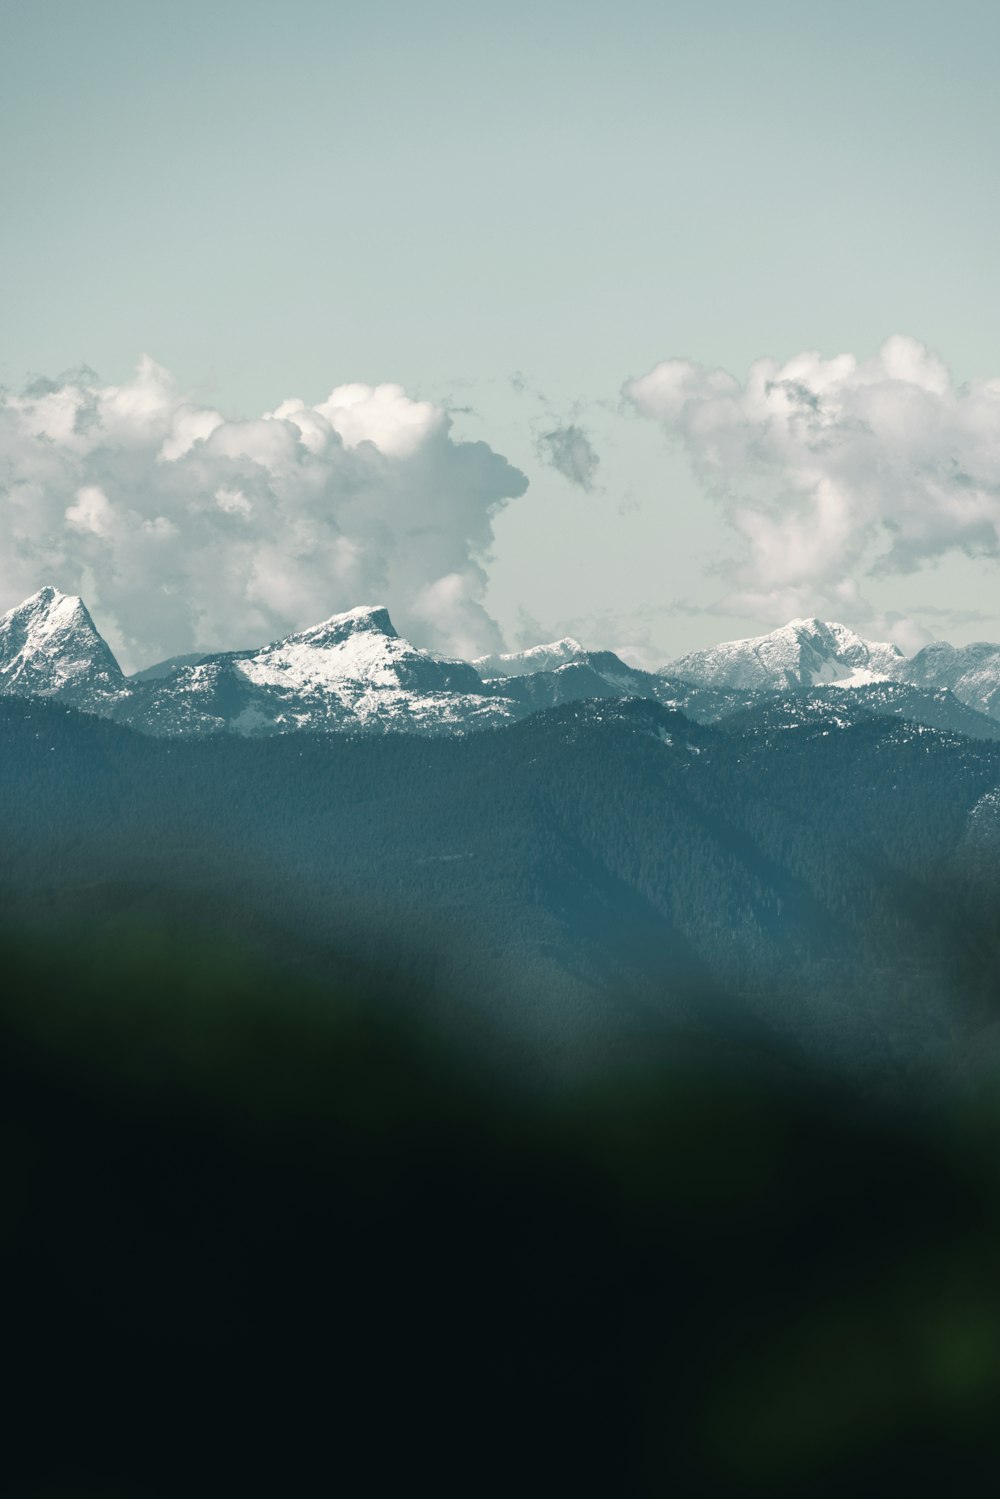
point(797, 851)
point(354, 674)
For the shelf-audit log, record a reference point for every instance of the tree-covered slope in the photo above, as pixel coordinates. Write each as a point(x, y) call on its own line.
point(582, 874)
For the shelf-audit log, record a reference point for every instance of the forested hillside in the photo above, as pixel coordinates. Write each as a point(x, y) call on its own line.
point(576, 879)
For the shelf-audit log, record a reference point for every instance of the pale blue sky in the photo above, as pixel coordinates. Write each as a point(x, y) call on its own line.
point(272, 200)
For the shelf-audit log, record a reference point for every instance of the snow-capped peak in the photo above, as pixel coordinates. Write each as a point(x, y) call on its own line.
point(351, 669)
point(803, 653)
point(360, 645)
point(50, 647)
point(350, 672)
point(45, 613)
point(535, 658)
point(366, 619)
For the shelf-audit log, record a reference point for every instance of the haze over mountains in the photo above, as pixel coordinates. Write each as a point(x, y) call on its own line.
point(354, 673)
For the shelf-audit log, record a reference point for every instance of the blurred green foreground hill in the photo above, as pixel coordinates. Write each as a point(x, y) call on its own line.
point(267, 1235)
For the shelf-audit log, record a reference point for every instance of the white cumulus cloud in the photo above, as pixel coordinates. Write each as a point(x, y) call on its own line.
point(830, 469)
point(188, 531)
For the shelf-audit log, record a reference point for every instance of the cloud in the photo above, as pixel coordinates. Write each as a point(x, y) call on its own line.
point(952, 616)
point(830, 469)
point(188, 531)
point(91, 512)
point(569, 450)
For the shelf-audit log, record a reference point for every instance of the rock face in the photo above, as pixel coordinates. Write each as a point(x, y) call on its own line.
point(971, 672)
point(49, 647)
point(804, 653)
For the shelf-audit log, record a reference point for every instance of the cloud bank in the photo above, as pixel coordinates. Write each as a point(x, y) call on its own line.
point(188, 531)
point(832, 468)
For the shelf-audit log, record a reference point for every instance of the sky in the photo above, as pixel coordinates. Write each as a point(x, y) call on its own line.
point(514, 243)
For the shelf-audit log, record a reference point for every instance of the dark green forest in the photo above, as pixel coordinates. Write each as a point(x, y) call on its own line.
point(573, 883)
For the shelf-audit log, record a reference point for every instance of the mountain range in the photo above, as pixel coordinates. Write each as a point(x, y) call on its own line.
point(353, 673)
point(779, 821)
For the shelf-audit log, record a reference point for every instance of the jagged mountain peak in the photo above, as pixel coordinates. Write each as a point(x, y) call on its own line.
point(47, 604)
point(50, 647)
point(354, 671)
point(844, 639)
point(47, 594)
point(804, 653)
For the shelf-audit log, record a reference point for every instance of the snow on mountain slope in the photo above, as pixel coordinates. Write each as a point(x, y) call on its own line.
point(536, 658)
point(824, 709)
point(49, 647)
point(352, 672)
point(566, 672)
point(357, 649)
point(803, 653)
point(971, 672)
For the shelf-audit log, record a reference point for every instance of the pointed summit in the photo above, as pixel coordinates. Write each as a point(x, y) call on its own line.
point(50, 647)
